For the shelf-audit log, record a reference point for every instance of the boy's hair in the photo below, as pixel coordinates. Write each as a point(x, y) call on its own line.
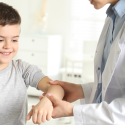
point(8, 15)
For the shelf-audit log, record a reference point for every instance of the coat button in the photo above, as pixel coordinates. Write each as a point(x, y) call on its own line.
point(98, 68)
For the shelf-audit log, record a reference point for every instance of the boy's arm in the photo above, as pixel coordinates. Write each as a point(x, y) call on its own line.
point(55, 90)
point(44, 109)
point(72, 91)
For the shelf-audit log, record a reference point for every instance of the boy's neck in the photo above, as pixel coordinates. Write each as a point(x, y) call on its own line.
point(3, 66)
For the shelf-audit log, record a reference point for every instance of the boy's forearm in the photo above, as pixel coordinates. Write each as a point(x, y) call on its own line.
point(56, 91)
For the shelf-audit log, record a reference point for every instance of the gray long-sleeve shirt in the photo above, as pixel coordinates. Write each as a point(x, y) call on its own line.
point(14, 81)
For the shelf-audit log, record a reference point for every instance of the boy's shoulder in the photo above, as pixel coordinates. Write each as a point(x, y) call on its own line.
point(20, 64)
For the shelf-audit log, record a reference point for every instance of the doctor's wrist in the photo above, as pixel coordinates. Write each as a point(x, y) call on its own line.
point(70, 111)
point(80, 91)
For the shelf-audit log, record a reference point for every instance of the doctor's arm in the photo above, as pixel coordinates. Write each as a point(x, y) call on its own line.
point(99, 114)
point(91, 114)
point(87, 114)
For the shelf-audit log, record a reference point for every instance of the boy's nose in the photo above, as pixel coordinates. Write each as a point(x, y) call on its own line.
point(7, 45)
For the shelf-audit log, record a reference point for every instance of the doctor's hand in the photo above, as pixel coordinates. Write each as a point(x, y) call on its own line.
point(60, 108)
point(41, 112)
point(72, 91)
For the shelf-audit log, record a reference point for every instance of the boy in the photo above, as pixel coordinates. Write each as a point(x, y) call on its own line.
point(16, 76)
point(105, 97)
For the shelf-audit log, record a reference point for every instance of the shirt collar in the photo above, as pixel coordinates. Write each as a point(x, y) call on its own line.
point(118, 9)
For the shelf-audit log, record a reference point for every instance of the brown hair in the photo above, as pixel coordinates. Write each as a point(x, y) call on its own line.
point(8, 15)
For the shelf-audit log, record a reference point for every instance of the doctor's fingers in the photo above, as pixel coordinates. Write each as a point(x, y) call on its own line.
point(56, 82)
point(40, 97)
point(54, 100)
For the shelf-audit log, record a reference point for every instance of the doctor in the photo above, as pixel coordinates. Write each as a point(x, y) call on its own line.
point(105, 97)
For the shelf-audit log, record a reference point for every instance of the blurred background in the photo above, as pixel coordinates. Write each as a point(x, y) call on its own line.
point(60, 37)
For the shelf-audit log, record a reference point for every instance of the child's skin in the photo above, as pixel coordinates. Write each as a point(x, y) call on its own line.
point(9, 45)
point(73, 92)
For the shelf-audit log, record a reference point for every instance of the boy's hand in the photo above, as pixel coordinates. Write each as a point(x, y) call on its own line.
point(73, 92)
point(41, 112)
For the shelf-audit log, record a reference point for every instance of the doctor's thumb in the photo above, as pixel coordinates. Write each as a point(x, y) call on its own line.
point(52, 99)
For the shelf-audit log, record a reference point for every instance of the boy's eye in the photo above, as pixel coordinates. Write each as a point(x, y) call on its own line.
point(1, 40)
point(14, 40)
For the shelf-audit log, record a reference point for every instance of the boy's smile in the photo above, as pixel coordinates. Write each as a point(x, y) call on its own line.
point(9, 36)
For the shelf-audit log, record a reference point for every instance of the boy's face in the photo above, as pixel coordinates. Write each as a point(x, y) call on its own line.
point(9, 36)
point(98, 4)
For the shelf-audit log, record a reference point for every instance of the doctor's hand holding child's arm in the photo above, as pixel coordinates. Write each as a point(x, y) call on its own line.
point(60, 108)
point(72, 91)
point(63, 108)
point(43, 110)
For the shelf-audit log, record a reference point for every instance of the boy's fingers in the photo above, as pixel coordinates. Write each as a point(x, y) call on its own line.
point(29, 115)
point(44, 117)
point(48, 118)
point(34, 117)
point(39, 117)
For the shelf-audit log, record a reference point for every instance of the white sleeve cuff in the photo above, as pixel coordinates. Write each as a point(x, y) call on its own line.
point(87, 89)
point(77, 111)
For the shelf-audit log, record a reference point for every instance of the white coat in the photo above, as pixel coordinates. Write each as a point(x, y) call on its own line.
point(112, 109)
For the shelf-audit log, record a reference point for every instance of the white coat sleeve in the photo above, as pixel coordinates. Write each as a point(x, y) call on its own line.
point(101, 114)
point(87, 89)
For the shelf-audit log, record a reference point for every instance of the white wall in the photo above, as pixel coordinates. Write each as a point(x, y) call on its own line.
point(59, 20)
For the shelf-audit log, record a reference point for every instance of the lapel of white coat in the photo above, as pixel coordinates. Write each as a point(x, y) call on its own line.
point(112, 60)
point(98, 55)
point(100, 46)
